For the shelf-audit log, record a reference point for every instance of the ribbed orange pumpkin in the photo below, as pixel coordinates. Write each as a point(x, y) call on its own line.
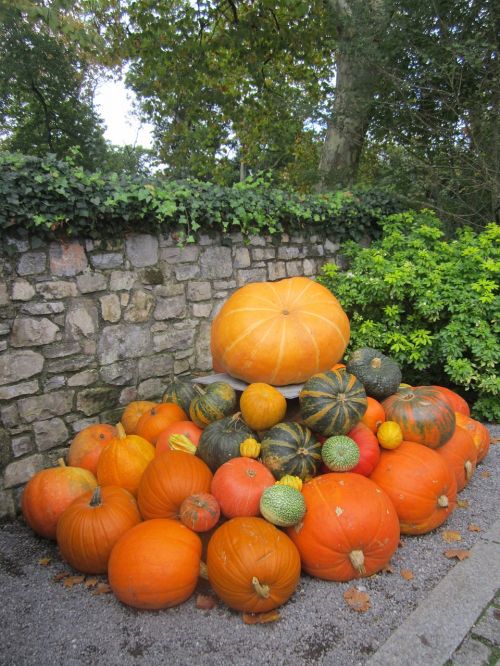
point(252, 566)
point(279, 332)
point(86, 447)
point(262, 406)
point(238, 485)
point(168, 480)
point(350, 529)
point(461, 455)
point(155, 564)
point(456, 402)
point(92, 524)
point(421, 485)
point(133, 412)
point(479, 432)
point(49, 492)
point(156, 419)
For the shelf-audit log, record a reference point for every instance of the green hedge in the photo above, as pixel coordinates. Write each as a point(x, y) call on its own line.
point(52, 198)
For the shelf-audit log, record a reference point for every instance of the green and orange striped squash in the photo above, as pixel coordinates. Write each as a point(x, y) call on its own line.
point(212, 403)
point(332, 402)
point(180, 391)
point(220, 441)
point(290, 448)
point(423, 415)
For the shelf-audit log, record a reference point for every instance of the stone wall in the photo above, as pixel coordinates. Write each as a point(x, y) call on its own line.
point(88, 326)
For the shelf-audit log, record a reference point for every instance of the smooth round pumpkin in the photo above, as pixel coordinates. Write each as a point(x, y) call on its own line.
point(238, 485)
point(49, 492)
point(279, 332)
point(212, 403)
point(155, 564)
point(290, 448)
point(479, 432)
point(374, 415)
point(262, 406)
point(456, 402)
point(423, 415)
point(92, 524)
point(168, 480)
point(86, 446)
point(369, 449)
point(350, 528)
point(252, 565)
point(157, 419)
point(181, 391)
point(200, 512)
point(332, 402)
point(379, 374)
point(172, 438)
point(221, 440)
point(123, 461)
point(133, 412)
point(421, 485)
point(461, 455)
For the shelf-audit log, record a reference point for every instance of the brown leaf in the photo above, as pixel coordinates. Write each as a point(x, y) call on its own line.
point(450, 536)
point(388, 569)
point(60, 576)
point(357, 600)
point(474, 528)
point(205, 602)
point(407, 574)
point(44, 561)
point(69, 581)
point(485, 474)
point(495, 440)
point(261, 618)
point(462, 504)
point(455, 552)
point(101, 588)
point(91, 582)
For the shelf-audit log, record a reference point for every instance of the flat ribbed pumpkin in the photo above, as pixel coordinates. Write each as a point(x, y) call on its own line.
point(279, 332)
point(290, 448)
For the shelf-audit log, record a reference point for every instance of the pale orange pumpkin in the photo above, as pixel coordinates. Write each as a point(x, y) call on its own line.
point(461, 455)
point(479, 432)
point(157, 419)
point(279, 332)
point(133, 412)
point(86, 446)
point(262, 406)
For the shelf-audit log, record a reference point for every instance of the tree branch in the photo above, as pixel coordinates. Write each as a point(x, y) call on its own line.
point(46, 112)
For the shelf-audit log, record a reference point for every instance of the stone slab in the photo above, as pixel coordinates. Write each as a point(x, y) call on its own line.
point(290, 391)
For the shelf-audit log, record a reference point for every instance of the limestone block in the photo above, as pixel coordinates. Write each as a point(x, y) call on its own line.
point(139, 307)
point(50, 308)
point(263, 253)
point(61, 349)
point(178, 336)
point(202, 309)
point(308, 267)
point(41, 407)
point(245, 276)
point(142, 250)
point(21, 471)
point(67, 259)
point(170, 308)
point(276, 270)
point(150, 389)
point(28, 332)
point(202, 347)
point(90, 282)
point(56, 289)
point(110, 308)
point(4, 294)
point(122, 280)
point(106, 260)
point(7, 505)
point(216, 263)
point(95, 400)
point(288, 253)
point(15, 390)
point(21, 445)
point(70, 364)
point(83, 378)
point(241, 257)
point(32, 263)
point(50, 433)
point(187, 271)
point(54, 383)
point(81, 319)
point(10, 416)
point(199, 291)
point(158, 365)
point(294, 268)
point(123, 341)
point(119, 374)
point(17, 365)
point(22, 290)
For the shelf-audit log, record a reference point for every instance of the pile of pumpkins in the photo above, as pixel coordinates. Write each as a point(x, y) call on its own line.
point(264, 487)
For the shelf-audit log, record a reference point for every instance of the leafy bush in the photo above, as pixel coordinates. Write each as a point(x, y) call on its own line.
point(430, 303)
point(49, 197)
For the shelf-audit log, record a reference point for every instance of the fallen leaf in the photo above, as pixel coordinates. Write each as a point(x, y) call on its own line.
point(485, 474)
point(60, 576)
point(101, 588)
point(450, 536)
point(462, 504)
point(495, 440)
point(357, 600)
point(474, 528)
point(205, 602)
point(407, 574)
point(45, 561)
point(261, 618)
point(388, 569)
point(455, 552)
point(91, 582)
point(69, 581)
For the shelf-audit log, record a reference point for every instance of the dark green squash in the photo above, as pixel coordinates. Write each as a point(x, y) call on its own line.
point(180, 391)
point(220, 441)
point(332, 402)
point(291, 448)
point(211, 403)
point(379, 374)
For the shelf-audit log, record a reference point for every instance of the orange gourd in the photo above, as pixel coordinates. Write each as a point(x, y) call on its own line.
point(262, 406)
point(200, 512)
point(479, 432)
point(350, 529)
point(279, 332)
point(252, 565)
point(92, 524)
point(456, 402)
point(133, 412)
point(86, 447)
point(238, 485)
point(461, 455)
point(374, 415)
point(157, 419)
point(420, 484)
point(155, 564)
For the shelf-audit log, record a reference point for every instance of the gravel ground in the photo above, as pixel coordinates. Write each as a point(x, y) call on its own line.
point(43, 621)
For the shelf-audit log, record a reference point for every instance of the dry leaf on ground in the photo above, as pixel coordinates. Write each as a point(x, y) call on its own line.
point(357, 600)
point(388, 569)
point(101, 588)
point(60, 576)
point(455, 552)
point(485, 474)
point(474, 528)
point(261, 618)
point(91, 582)
point(69, 581)
point(45, 561)
point(407, 574)
point(462, 504)
point(205, 602)
point(450, 536)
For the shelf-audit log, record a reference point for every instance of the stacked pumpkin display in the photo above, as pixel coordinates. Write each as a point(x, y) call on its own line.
point(328, 488)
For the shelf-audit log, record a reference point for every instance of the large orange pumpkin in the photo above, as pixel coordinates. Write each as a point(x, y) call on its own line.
point(86, 447)
point(155, 564)
point(157, 419)
point(461, 455)
point(279, 332)
point(479, 432)
point(238, 485)
point(252, 565)
point(350, 529)
point(421, 485)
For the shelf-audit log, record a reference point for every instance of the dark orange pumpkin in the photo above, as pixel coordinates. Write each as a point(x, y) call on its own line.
point(350, 529)
point(238, 485)
point(252, 565)
point(423, 415)
point(420, 484)
point(374, 414)
point(461, 455)
point(369, 449)
point(157, 419)
point(456, 402)
point(133, 412)
point(185, 434)
point(200, 512)
point(86, 447)
point(479, 432)
point(155, 564)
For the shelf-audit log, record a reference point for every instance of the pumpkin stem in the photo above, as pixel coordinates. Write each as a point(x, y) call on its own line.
point(443, 501)
point(178, 442)
point(358, 560)
point(120, 431)
point(96, 499)
point(203, 570)
point(468, 470)
point(262, 590)
point(235, 417)
point(60, 462)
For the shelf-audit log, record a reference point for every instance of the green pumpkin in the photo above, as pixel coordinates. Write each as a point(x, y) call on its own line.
point(220, 441)
point(291, 448)
point(211, 403)
point(282, 505)
point(379, 374)
point(340, 453)
point(180, 391)
point(332, 402)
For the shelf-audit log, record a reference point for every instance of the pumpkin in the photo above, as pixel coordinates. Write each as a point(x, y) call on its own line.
point(379, 374)
point(180, 391)
point(180, 436)
point(133, 412)
point(221, 440)
point(389, 435)
point(86, 446)
point(369, 449)
point(252, 565)
point(200, 512)
point(456, 402)
point(340, 453)
point(238, 485)
point(157, 419)
point(168, 480)
point(262, 406)
point(461, 455)
point(422, 414)
point(123, 461)
point(282, 505)
point(374, 414)
point(212, 403)
point(155, 564)
point(479, 432)
point(331, 403)
point(49, 492)
point(290, 448)
point(279, 332)
point(420, 484)
point(92, 524)
point(350, 529)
